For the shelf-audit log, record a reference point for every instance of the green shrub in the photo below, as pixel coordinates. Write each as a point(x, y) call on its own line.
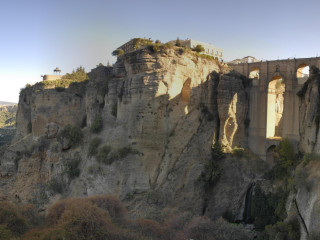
point(283, 230)
point(103, 87)
point(199, 48)
point(93, 146)
point(79, 75)
point(72, 168)
point(212, 169)
point(60, 89)
point(184, 50)
point(287, 161)
point(268, 208)
point(97, 124)
point(72, 133)
point(117, 52)
point(238, 152)
point(125, 151)
point(167, 45)
point(55, 185)
point(308, 157)
point(11, 218)
point(103, 153)
point(5, 233)
point(178, 43)
point(140, 42)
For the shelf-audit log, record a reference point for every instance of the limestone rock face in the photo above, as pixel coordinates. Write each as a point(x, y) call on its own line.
point(233, 108)
point(309, 116)
point(305, 203)
point(51, 130)
point(160, 114)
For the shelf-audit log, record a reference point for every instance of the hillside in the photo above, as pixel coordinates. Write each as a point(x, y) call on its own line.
point(3, 103)
point(148, 131)
point(7, 123)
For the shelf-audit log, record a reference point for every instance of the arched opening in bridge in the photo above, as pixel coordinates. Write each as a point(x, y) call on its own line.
point(276, 91)
point(254, 73)
point(303, 71)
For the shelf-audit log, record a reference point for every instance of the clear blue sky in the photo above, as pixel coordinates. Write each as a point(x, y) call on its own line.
point(38, 35)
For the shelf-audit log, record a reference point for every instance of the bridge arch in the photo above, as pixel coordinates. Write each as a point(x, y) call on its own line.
point(303, 70)
point(275, 106)
point(254, 73)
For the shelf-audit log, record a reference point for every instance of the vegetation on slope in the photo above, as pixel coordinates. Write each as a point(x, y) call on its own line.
point(104, 217)
point(157, 46)
point(7, 118)
point(77, 79)
point(269, 209)
point(7, 121)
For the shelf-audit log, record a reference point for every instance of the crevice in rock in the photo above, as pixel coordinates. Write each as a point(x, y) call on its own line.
point(300, 216)
point(205, 206)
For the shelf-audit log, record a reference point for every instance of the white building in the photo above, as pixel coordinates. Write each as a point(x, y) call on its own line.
point(209, 49)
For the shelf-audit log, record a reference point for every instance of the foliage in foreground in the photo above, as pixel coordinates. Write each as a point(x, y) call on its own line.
point(104, 217)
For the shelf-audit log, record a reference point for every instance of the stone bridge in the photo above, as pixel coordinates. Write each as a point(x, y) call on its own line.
point(274, 104)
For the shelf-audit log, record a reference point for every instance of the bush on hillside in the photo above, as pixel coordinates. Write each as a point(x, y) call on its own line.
point(103, 154)
point(72, 168)
point(212, 169)
point(178, 43)
point(199, 48)
point(238, 152)
point(11, 219)
point(117, 52)
point(93, 146)
point(79, 75)
point(97, 124)
point(72, 133)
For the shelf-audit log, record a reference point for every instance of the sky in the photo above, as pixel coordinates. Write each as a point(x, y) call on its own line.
point(40, 35)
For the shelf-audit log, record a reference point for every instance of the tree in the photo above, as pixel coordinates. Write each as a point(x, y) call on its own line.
point(79, 75)
point(178, 43)
point(199, 48)
point(117, 52)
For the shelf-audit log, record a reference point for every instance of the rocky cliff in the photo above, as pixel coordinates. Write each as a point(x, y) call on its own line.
point(141, 130)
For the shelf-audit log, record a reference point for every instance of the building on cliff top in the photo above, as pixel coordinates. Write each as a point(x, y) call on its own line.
point(133, 44)
point(55, 76)
point(211, 50)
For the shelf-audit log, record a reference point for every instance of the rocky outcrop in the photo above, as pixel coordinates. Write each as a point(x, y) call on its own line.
point(161, 113)
point(310, 113)
point(233, 104)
